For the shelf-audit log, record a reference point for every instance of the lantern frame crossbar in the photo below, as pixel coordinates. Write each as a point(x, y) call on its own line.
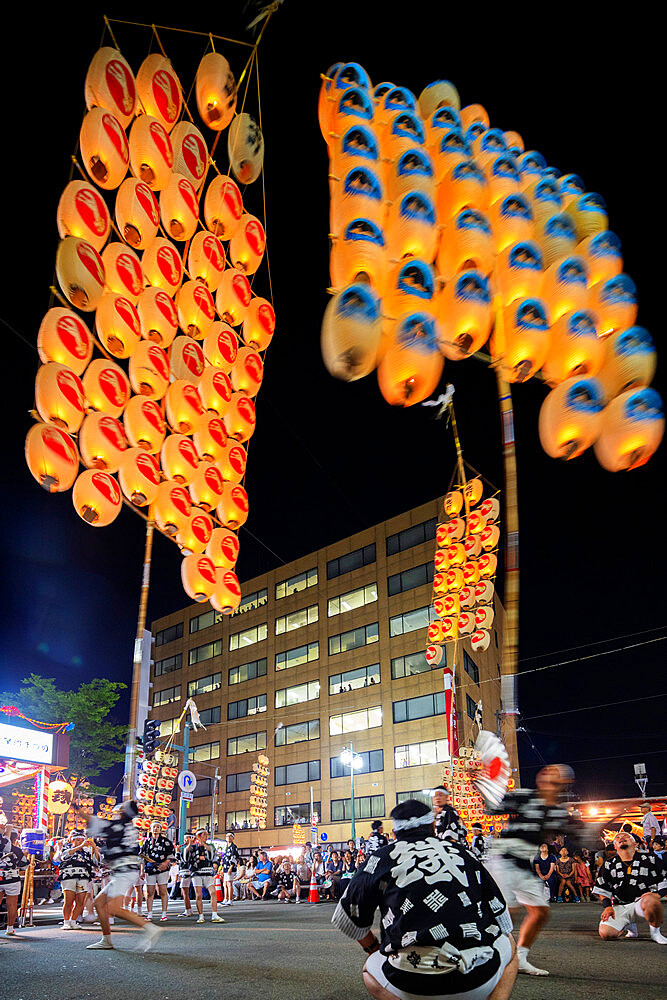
point(181, 31)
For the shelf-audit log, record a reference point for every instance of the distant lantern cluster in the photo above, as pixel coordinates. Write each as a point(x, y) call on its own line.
point(259, 780)
point(446, 235)
point(466, 561)
point(157, 280)
point(155, 784)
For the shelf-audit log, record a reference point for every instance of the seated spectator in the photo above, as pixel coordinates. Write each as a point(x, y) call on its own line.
point(349, 868)
point(565, 869)
point(352, 847)
point(240, 882)
point(360, 859)
point(285, 882)
point(261, 883)
point(334, 870)
point(658, 847)
point(301, 878)
point(545, 868)
point(582, 876)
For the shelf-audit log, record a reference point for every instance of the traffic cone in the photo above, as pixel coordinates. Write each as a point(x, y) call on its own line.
point(313, 892)
point(217, 884)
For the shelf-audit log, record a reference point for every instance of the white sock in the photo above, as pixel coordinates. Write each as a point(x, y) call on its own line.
point(107, 938)
point(657, 935)
point(522, 952)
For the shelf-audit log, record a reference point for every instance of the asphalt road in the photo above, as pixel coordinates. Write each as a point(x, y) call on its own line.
point(272, 951)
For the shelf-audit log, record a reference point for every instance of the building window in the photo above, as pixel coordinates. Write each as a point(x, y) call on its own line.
point(418, 576)
point(246, 706)
point(352, 600)
point(168, 665)
point(166, 696)
point(296, 583)
point(297, 619)
point(210, 716)
point(169, 634)
point(373, 760)
point(240, 819)
point(293, 774)
point(419, 708)
point(307, 691)
point(247, 671)
point(365, 807)
point(470, 667)
point(350, 680)
point(205, 751)
point(203, 788)
point(239, 782)
point(248, 637)
point(289, 815)
point(353, 639)
point(205, 652)
point(298, 732)
point(295, 657)
point(412, 536)
point(205, 620)
point(168, 727)
point(203, 685)
point(350, 561)
point(353, 722)
point(416, 754)
point(246, 744)
point(418, 794)
point(198, 823)
point(410, 664)
point(471, 707)
point(251, 601)
point(410, 621)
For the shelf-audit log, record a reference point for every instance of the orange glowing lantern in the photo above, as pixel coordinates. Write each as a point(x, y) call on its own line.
point(137, 214)
point(159, 90)
point(144, 424)
point(149, 370)
point(196, 534)
point(453, 503)
point(411, 287)
point(110, 84)
point(206, 487)
point(503, 178)
point(463, 187)
point(179, 458)
point(471, 573)
point(442, 539)
point(64, 338)
point(467, 244)
point(117, 324)
point(526, 340)
point(488, 564)
point(476, 522)
point(590, 215)
point(450, 629)
point(97, 498)
point(440, 561)
point(162, 266)
point(490, 537)
point(247, 245)
point(232, 298)
point(59, 396)
point(357, 147)
point(435, 655)
point(565, 286)
point(83, 212)
point(233, 508)
point(480, 640)
point(473, 493)
point(187, 359)
point(248, 372)
point(190, 153)
point(440, 93)
point(465, 315)
point(102, 442)
point(513, 141)
point(151, 155)
point(171, 508)
point(221, 346)
point(484, 617)
point(456, 554)
point(223, 548)
point(123, 274)
point(574, 348)
point(442, 120)
point(198, 577)
point(139, 476)
point(615, 302)
point(206, 259)
point(456, 529)
point(413, 171)
point(412, 364)
point(215, 391)
point(106, 386)
point(465, 623)
point(259, 324)
point(227, 594)
point(104, 148)
point(632, 428)
point(359, 195)
point(451, 604)
point(353, 106)
point(454, 579)
point(556, 237)
point(603, 255)
point(52, 457)
point(223, 207)
point(179, 208)
point(360, 255)
point(157, 316)
point(210, 439)
point(630, 361)
point(240, 416)
point(196, 309)
point(519, 272)
point(80, 273)
point(411, 229)
point(512, 221)
point(472, 546)
point(435, 632)
point(484, 592)
point(245, 148)
point(467, 597)
point(351, 331)
point(440, 584)
point(473, 114)
point(451, 149)
point(490, 510)
point(216, 91)
point(184, 406)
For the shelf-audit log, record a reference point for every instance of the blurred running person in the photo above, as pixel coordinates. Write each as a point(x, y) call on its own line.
point(75, 862)
point(156, 854)
point(376, 840)
point(200, 859)
point(632, 882)
point(228, 864)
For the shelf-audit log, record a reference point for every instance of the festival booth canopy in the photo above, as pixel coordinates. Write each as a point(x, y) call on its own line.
point(24, 751)
point(619, 811)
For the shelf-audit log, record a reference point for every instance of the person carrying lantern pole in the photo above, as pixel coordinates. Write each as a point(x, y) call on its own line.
point(632, 883)
point(156, 854)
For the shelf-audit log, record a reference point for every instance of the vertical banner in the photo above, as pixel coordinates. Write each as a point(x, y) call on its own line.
point(41, 811)
point(450, 710)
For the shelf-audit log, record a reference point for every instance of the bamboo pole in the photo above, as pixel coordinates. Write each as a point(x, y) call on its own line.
point(131, 752)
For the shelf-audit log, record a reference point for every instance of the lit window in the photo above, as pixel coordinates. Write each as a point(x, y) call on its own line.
point(296, 583)
point(352, 600)
point(297, 619)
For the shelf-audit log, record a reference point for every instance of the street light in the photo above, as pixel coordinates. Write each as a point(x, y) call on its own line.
point(352, 760)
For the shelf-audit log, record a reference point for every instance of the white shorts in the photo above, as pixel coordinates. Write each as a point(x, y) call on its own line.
point(229, 876)
point(120, 883)
point(624, 914)
point(160, 878)
point(502, 945)
point(203, 881)
point(75, 885)
point(518, 885)
point(11, 888)
point(186, 881)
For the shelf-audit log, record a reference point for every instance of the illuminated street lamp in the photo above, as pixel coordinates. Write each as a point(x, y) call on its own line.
point(352, 760)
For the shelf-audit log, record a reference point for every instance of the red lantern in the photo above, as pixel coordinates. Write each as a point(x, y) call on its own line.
point(159, 90)
point(80, 273)
point(490, 537)
point(179, 458)
point(102, 442)
point(490, 510)
point(106, 386)
point(123, 274)
point(63, 337)
point(223, 207)
point(480, 639)
point(206, 487)
point(221, 346)
point(472, 546)
point(196, 534)
point(240, 416)
point(247, 245)
point(184, 407)
point(59, 396)
point(216, 91)
point(206, 260)
point(456, 529)
point(139, 476)
point(488, 564)
point(104, 148)
point(151, 155)
point(157, 316)
point(149, 370)
point(52, 457)
point(179, 208)
point(196, 311)
point(97, 498)
point(198, 576)
point(223, 548)
point(248, 372)
point(233, 508)
point(144, 424)
point(171, 508)
point(210, 439)
point(190, 153)
point(467, 596)
point(227, 594)
point(232, 462)
point(110, 84)
point(83, 212)
point(117, 324)
point(137, 215)
point(162, 266)
point(215, 391)
point(186, 359)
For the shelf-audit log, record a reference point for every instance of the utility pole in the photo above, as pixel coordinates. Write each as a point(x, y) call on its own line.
point(214, 795)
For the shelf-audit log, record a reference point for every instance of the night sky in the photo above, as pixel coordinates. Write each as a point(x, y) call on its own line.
point(330, 458)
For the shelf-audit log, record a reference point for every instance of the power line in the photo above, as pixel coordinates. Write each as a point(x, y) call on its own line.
point(616, 756)
point(586, 645)
point(607, 704)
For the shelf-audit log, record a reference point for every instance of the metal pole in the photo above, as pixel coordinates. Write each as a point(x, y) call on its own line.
point(216, 781)
point(186, 762)
point(131, 751)
point(352, 789)
point(311, 805)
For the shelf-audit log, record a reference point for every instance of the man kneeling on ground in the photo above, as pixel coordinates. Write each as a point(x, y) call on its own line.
point(632, 881)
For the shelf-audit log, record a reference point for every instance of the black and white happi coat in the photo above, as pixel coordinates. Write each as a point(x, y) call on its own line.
point(449, 826)
point(10, 859)
point(183, 868)
point(284, 880)
point(441, 914)
point(625, 881)
point(532, 822)
point(121, 841)
point(375, 842)
point(155, 851)
point(200, 859)
point(231, 858)
point(75, 863)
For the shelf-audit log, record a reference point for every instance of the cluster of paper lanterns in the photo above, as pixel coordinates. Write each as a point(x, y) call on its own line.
point(466, 561)
point(466, 799)
point(155, 784)
point(447, 234)
point(106, 809)
point(154, 262)
point(258, 790)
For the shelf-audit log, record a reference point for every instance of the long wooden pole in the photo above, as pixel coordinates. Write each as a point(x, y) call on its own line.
point(131, 752)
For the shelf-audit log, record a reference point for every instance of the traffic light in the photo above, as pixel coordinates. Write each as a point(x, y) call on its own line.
point(151, 735)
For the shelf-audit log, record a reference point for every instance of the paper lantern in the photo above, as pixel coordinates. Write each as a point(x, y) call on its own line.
point(514, 143)
point(436, 95)
point(259, 324)
point(631, 430)
point(602, 253)
point(398, 99)
point(104, 148)
point(106, 386)
point(413, 171)
point(247, 245)
point(139, 476)
point(488, 145)
point(526, 340)
point(215, 391)
point(221, 346)
point(190, 153)
point(171, 508)
point(210, 438)
point(456, 554)
point(474, 113)
point(110, 84)
point(615, 302)
point(484, 617)
point(206, 260)
point(233, 296)
point(158, 318)
point(324, 101)
point(435, 655)
point(59, 396)
point(464, 186)
point(184, 407)
point(480, 640)
point(489, 537)
point(159, 90)
point(149, 370)
point(490, 510)
point(179, 208)
point(512, 221)
point(471, 573)
point(223, 207)
point(442, 536)
point(352, 106)
point(245, 148)
point(117, 324)
point(571, 187)
point(472, 546)
point(556, 237)
point(453, 503)
point(565, 286)
point(467, 598)
point(476, 522)
point(223, 548)
point(196, 534)
point(233, 507)
point(82, 212)
point(435, 632)
point(456, 529)
point(186, 359)
point(440, 560)
point(97, 498)
point(144, 424)
point(215, 89)
point(360, 255)
point(484, 591)
point(151, 155)
point(123, 273)
point(248, 372)
point(198, 577)
point(466, 245)
point(359, 195)
point(454, 579)
point(240, 416)
point(80, 273)
point(196, 309)
point(503, 178)
point(519, 272)
point(487, 564)
point(465, 315)
point(162, 266)
point(629, 362)
point(412, 364)
point(465, 623)
point(411, 227)
point(531, 166)
point(451, 604)
point(64, 338)
point(137, 214)
point(450, 628)
point(473, 493)
point(52, 457)
point(206, 487)
point(357, 147)
point(351, 332)
point(102, 442)
point(574, 348)
point(590, 214)
point(179, 458)
point(404, 131)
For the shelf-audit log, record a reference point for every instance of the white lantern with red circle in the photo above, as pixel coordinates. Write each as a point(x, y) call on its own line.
point(247, 245)
point(187, 359)
point(210, 439)
point(215, 391)
point(490, 510)
point(51, 457)
point(171, 508)
point(206, 259)
point(123, 274)
point(80, 273)
point(466, 623)
point(97, 498)
point(151, 155)
point(149, 370)
point(490, 537)
point(144, 424)
point(139, 476)
point(233, 508)
point(184, 407)
point(162, 266)
point(196, 534)
point(63, 337)
point(259, 324)
point(223, 548)
point(232, 462)
point(179, 208)
point(484, 592)
point(59, 396)
point(196, 309)
point(227, 594)
point(179, 458)
point(435, 654)
point(467, 598)
point(456, 529)
point(106, 386)
point(221, 346)
point(484, 617)
point(102, 442)
point(248, 372)
point(232, 299)
point(488, 564)
point(104, 148)
point(159, 90)
point(240, 417)
point(480, 639)
point(110, 84)
point(473, 546)
point(83, 212)
point(223, 207)
point(117, 325)
point(215, 88)
point(157, 316)
point(198, 576)
point(190, 153)
point(137, 214)
point(206, 487)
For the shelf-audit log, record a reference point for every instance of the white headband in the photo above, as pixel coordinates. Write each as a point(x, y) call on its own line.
point(410, 824)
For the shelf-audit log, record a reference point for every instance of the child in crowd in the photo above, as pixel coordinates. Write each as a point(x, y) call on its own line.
point(582, 876)
point(565, 868)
